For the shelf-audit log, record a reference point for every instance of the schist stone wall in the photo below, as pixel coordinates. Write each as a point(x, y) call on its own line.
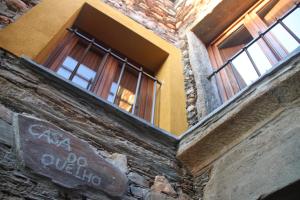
point(59, 142)
point(156, 15)
point(250, 147)
point(10, 10)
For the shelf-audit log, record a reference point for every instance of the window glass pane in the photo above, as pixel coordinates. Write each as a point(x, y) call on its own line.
point(274, 9)
point(112, 92)
point(145, 98)
point(244, 67)
point(126, 91)
point(86, 72)
point(234, 43)
point(286, 40)
point(259, 58)
point(91, 61)
point(293, 21)
point(69, 63)
point(126, 99)
point(63, 72)
point(79, 81)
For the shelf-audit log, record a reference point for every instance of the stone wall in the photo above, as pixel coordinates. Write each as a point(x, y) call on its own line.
point(189, 11)
point(192, 113)
point(144, 153)
point(156, 15)
point(10, 10)
point(265, 162)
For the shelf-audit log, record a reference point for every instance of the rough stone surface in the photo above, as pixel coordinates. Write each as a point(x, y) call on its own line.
point(10, 10)
point(138, 192)
point(264, 163)
point(207, 92)
point(188, 11)
point(162, 185)
point(192, 111)
point(158, 196)
point(200, 182)
point(138, 179)
point(24, 90)
point(6, 114)
point(120, 161)
point(156, 15)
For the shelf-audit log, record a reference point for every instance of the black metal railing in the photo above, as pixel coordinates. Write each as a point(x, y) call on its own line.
point(265, 40)
point(125, 63)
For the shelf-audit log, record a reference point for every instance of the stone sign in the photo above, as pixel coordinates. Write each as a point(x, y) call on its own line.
point(64, 158)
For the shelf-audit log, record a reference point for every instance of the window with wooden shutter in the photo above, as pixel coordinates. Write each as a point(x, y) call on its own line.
point(104, 72)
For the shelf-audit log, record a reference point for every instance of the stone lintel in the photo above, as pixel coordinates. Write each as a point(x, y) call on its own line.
point(225, 13)
point(234, 121)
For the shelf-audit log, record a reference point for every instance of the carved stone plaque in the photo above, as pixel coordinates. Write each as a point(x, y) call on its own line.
point(64, 158)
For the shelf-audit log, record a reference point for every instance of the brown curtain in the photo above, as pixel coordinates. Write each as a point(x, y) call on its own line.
point(59, 54)
point(145, 98)
point(93, 59)
point(110, 73)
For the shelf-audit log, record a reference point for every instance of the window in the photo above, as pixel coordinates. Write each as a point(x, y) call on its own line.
point(252, 45)
point(102, 71)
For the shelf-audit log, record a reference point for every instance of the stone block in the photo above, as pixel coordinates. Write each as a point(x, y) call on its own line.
point(119, 161)
point(138, 191)
point(263, 163)
point(158, 196)
point(6, 133)
point(161, 184)
point(138, 179)
point(6, 114)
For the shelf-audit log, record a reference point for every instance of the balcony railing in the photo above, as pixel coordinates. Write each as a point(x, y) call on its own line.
point(261, 36)
point(125, 64)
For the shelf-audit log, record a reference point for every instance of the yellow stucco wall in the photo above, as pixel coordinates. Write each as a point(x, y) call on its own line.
point(41, 26)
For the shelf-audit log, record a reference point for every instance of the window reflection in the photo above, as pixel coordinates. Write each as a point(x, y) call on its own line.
point(126, 92)
point(292, 21)
point(126, 99)
point(274, 10)
point(259, 57)
point(112, 92)
point(285, 39)
point(243, 65)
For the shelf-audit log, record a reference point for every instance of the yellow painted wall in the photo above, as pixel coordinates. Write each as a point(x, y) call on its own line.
point(35, 32)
